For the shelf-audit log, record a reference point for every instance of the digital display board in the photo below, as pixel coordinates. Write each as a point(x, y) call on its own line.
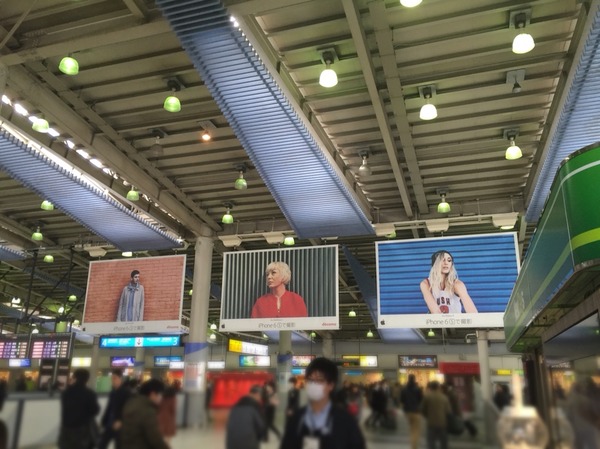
point(164, 360)
point(122, 362)
point(215, 364)
point(417, 361)
point(302, 360)
point(51, 346)
point(81, 362)
point(14, 346)
point(19, 363)
point(255, 360)
point(247, 348)
point(140, 341)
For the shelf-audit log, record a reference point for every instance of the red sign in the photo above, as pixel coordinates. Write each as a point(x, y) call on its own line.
point(459, 368)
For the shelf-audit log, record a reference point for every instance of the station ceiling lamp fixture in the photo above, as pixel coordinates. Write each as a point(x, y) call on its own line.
point(428, 111)
point(443, 207)
point(513, 152)
point(523, 42)
point(69, 65)
point(328, 77)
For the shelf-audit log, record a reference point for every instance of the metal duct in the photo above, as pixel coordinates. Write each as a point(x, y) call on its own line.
point(81, 201)
point(578, 121)
point(308, 188)
point(7, 253)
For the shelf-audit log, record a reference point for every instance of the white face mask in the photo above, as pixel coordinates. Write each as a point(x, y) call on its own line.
point(315, 391)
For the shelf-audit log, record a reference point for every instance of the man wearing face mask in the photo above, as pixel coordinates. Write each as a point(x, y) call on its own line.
point(321, 425)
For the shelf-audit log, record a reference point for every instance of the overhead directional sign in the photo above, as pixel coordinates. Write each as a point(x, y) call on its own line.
point(140, 341)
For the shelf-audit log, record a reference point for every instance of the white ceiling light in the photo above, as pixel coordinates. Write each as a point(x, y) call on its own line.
point(231, 240)
point(437, 225)
point(384, 229)
point(523, 42)
point(513, 152)
point(364, 169)
point(428, 111)
point(273, 237)
point(410, 3)
point(328, 77)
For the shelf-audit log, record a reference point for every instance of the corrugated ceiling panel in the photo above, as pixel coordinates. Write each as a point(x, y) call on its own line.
point(579, 120)
point(83, 202)
point(308, 190)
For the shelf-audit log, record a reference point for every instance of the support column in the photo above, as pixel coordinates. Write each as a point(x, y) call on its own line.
point(196, 349)
point(284, 372)
point(94, 366)
point(327, 345)
point(489, 420)
point(138, 369)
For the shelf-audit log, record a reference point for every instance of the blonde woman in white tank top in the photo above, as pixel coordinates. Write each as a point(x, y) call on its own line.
point(442, 291)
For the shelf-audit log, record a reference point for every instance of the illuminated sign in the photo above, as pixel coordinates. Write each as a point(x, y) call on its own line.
point(14, 347)
point(247, 348)
point(81, 361)
point(177, 365)
point(19, 363)
point(51, 346)
point(365, 361)
point(255, 360)
point(165, 360)
point(216, 364)
point(140, 341)
point(302, 360)
point(417, 361)
point(122, 362)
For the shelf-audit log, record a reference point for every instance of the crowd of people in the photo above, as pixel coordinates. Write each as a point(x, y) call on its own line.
point(333, 418)
point(137, 415)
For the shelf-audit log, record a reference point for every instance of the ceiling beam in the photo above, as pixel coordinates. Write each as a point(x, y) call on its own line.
point(366, 63)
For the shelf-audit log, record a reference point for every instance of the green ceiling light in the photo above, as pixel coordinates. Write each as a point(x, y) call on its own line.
point(391, 235)
point(313, 334)
point(431, 333)
point(47, 205)
point(172, 103)
point(227, 217)
point(72, 298)
point(352, 313)
point(289, 240)
point(190, 292)
point(370, 334)
point(213, 327)
point(240, 182)
point(443, 207)
point(37, 235)
point(76, 322)
point(40, 125)
point(133, 195)
point(48, 258)
point(69, 66)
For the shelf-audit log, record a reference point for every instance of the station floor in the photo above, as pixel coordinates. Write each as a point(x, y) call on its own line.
point(213, 436)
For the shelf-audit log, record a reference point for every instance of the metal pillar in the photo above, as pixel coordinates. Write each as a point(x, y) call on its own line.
point(196, 349)
point(486, 386)
point(284, 372)
point(327, 345)
point(93, 382)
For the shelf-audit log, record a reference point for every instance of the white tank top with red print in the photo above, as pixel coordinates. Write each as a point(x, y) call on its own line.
point(447, 301)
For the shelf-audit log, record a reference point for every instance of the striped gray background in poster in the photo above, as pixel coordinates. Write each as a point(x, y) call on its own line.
point(314, 277)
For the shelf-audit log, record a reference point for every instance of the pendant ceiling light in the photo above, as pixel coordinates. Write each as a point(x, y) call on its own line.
point(40, 125)
point(431, 333)
point(48, 258)
point(428, 111)
point(206, 136)
point(133, 195)
point(443, 207)
point(47, 205)
point(364, 169)
point(69, 66)
point(37, 235)
point(523, 42)
point(352, 313)
point(72, 298)
point(289, 240)
point(369, 334)
point(328, 77)
point(227, 217)
point(410, 3)
point(513, 152)
point(172, 103)
point(240, 182)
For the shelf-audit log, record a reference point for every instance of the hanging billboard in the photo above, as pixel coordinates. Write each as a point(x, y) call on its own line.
point(134, 296)
point(439, 282)
point(280, 289)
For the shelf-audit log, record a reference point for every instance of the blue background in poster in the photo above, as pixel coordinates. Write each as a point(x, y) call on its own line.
point(487, 264)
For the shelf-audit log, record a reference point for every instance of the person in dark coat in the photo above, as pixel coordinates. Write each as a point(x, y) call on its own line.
point(111, 419)
point(411, 397)
point(321, 424)
point(79, 407)
point(140, 418)
point(293, 398)
point(246, 426)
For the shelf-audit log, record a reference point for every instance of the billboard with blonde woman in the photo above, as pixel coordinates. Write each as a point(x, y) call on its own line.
point(461, 281)
point(280, 289)
point(133, 296)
